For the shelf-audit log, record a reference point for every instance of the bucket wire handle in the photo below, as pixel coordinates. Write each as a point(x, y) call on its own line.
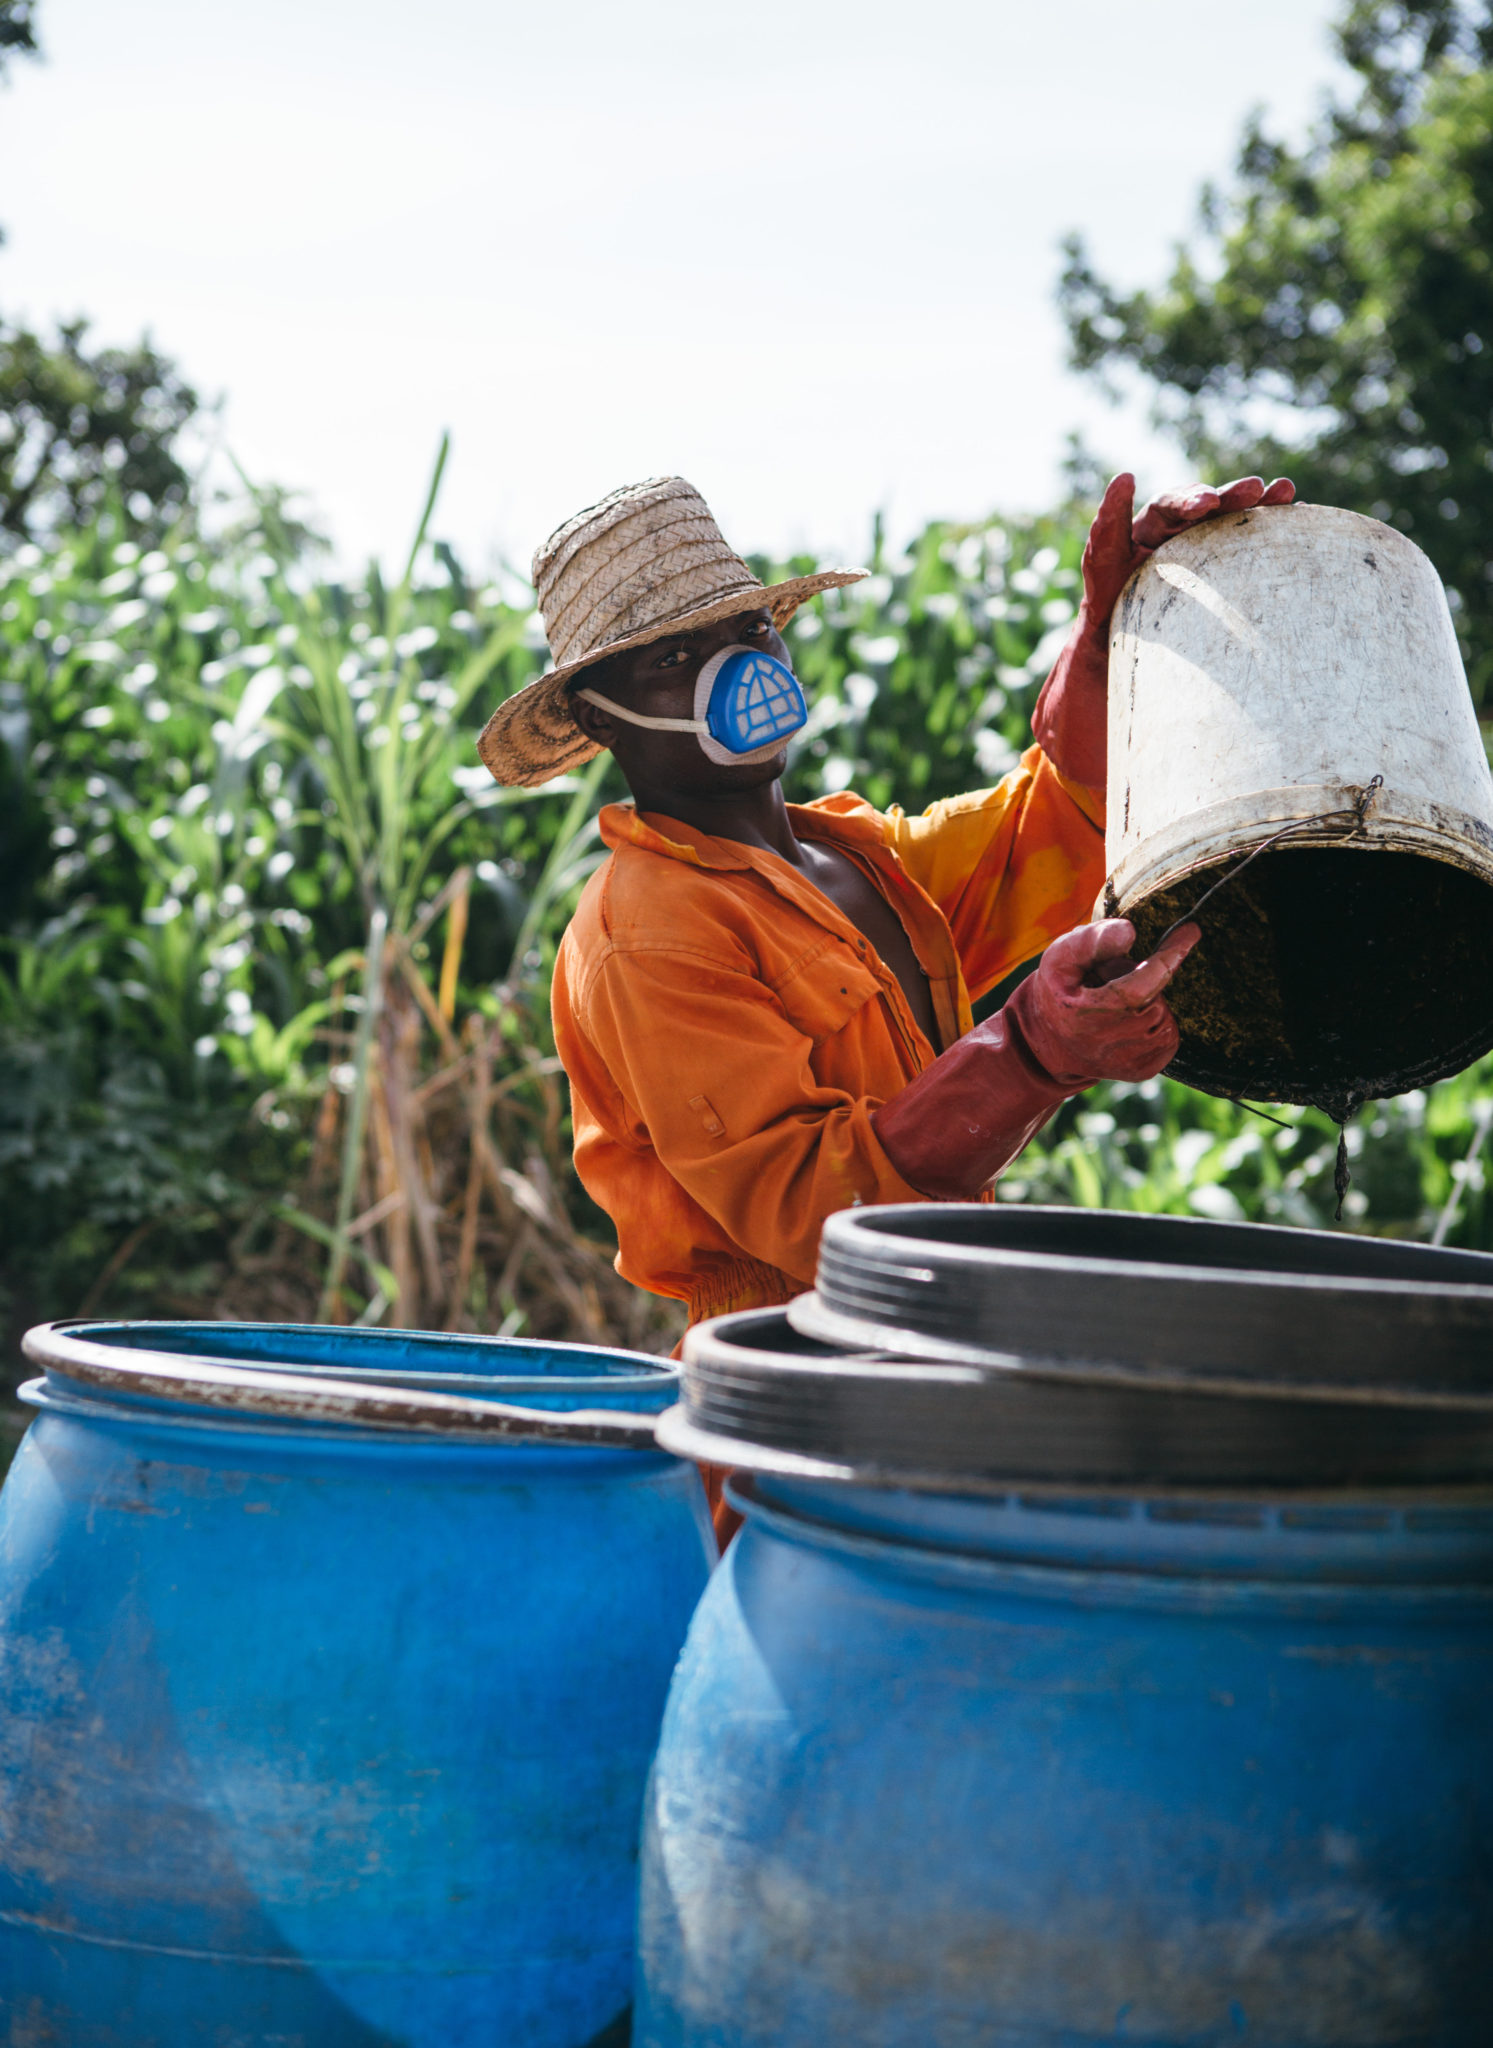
point(1342, 1178)
point(1358, 811)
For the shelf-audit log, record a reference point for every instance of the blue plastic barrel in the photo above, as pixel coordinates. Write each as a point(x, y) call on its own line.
point(331, 1665)
point(1038, 1771)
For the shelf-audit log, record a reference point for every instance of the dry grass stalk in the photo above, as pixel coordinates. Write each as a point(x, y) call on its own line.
point(458, 1202)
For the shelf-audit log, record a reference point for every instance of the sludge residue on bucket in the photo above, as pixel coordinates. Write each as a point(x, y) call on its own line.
point(1325, 975)
point(1295, 672)
point(331, 1663)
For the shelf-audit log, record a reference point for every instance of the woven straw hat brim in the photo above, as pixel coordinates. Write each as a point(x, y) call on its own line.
point(533, 737)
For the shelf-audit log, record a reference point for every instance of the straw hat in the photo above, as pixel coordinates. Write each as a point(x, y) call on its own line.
point(646, 563)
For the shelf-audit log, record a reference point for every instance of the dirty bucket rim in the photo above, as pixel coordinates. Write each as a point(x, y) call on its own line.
point(1221, 833)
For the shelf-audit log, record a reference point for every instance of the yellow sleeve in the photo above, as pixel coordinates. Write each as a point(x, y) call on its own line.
point(1011, 868)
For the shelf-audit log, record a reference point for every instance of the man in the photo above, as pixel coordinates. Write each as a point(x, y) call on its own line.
point(764, 1008)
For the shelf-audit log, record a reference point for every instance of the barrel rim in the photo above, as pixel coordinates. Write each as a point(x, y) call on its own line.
point(812, 1317)
point(881, 1417)
point(683, 1438)
point(986, 1291)
point(143, 1378)
point(883, 1219)
point(1172, 1582)
point(643, 1370)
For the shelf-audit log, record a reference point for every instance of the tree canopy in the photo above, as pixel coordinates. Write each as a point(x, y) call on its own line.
point(17, 31)
point(1334, 316)
point(78, 425)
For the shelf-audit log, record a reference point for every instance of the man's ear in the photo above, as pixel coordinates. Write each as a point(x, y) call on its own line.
point(596, 724)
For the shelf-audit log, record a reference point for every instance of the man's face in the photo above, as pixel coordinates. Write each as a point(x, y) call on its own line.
point(658, 681)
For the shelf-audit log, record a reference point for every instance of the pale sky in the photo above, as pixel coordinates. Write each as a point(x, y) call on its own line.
point(802, 252)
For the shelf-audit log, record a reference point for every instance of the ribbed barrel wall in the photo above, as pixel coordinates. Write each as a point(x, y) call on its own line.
point(1106, 1652)
point(1011, 1773)
point(328, 1737)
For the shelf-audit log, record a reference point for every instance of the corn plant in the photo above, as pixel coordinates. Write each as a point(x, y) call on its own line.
point(221, 777)
point(372, 720)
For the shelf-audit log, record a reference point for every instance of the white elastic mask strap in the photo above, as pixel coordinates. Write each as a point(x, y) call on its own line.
point(696, 725)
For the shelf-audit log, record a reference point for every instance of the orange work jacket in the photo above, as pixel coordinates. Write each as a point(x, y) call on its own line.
point(728, 1032)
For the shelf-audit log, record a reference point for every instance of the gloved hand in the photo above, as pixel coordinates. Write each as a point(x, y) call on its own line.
point(1087, 1014)
point(1070, 719)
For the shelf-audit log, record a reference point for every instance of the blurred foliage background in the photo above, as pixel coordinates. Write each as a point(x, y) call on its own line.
point(275, 952)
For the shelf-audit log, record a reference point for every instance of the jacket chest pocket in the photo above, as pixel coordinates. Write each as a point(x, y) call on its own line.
point(823, 993)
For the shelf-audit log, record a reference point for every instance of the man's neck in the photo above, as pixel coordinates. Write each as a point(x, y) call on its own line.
point(753, 817)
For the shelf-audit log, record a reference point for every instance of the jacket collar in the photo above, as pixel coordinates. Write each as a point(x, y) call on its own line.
point(843, 820)
point(849, 822)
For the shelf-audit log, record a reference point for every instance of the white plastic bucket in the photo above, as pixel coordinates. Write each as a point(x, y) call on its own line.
point(1295, 668)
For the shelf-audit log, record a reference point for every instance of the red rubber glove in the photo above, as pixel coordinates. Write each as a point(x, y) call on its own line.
point(1087, 1014)
point(1070, 719)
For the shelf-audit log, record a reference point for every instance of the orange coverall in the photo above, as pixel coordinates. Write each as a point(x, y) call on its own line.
point(728, 1032)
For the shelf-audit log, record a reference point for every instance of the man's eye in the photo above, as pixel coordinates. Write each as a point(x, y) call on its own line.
point(674, 658)
point(756, 627)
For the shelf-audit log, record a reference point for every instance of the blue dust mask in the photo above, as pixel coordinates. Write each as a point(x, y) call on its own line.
point(747, 704)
